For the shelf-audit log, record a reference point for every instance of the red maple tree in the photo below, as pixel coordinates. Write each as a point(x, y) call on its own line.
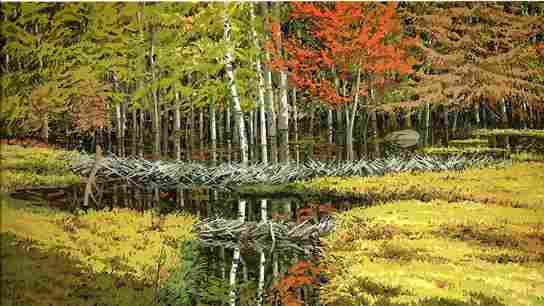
point(332, 44)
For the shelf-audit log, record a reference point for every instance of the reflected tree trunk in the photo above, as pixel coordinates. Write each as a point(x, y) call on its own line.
point(236, 257)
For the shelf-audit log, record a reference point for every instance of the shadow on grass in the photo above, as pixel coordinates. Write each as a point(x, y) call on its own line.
point(384, 295)
point(34, 277)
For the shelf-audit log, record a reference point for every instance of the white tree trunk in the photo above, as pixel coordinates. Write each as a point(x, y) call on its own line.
point(283, 114)
point(234, 93)
point(295, 125)
point(269, 98)
point(260, 91)
point(236, 256)
point(351, 119)
point(177, 129)
point(262, 263)
point(213, 133)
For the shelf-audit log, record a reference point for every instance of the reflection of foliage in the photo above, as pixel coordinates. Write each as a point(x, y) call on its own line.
point(303, 275)
point(181, 288)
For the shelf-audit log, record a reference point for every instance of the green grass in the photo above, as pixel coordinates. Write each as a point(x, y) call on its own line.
point(32, 167)
point(462, 151)
point(436, 253)
point(509, 132)
point(471, 142)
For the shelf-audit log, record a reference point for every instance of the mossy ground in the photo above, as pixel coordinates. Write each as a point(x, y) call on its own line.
point(98, 250)
point(518, 185)
point(51, 257)
point(487, 249)
point(31, 167)
point(31, 276)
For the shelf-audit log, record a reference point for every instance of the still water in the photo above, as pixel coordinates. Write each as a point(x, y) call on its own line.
point(235, 272)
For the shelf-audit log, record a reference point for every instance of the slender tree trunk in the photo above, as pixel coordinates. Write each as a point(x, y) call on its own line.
point(270, 102)
point(283, 113)
point(141, 133)
point(295, 125)
point(330, 129)
point(250, 135)
point(134, 134)
point(234, 93)
point(504, 122)
point(177, 129)
point(236, 256)
point(165, 122)
point(155, 94)
point(229, 133)
point(213, 134)
point(201, 135)
point(351, 119)
point(477, 114)
point(428, 125)
point(191, 137)
point(446, 125)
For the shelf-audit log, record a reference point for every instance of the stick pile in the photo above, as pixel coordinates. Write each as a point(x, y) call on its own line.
point(168, 175)
point(267, 236)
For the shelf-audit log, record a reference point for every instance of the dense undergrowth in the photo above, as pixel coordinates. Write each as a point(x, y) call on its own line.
point(116, 257)
point(32, 167)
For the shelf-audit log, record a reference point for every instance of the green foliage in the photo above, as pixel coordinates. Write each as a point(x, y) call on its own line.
point(182, 285)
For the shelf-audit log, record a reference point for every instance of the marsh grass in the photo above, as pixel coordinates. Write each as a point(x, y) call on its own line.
point(32, 167)
point(119, 240)
point(436, 253)
point(33, 276)
point(518, 185)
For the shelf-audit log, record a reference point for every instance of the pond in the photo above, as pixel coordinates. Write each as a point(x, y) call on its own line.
point(238, 271)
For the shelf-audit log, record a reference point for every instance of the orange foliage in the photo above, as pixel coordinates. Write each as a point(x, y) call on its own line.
point(344, 36)
point(301, 274)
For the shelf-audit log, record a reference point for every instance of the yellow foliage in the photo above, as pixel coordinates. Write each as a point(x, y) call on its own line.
point(27, 167)
point(120, 240)
point(516, 185)
point(436, 253)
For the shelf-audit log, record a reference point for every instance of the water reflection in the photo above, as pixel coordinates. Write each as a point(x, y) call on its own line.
point(251, 276)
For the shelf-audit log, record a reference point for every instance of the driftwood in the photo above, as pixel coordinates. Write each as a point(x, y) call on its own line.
point(266, 236)
point(91, 180)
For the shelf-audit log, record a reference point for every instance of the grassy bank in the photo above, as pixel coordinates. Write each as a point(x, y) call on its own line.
point(32, 167)
point(477, 238)
point(518, 185)
point(437, 253)
point(106, 247)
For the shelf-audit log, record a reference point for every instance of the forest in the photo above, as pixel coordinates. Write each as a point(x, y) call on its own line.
point(272, 153)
